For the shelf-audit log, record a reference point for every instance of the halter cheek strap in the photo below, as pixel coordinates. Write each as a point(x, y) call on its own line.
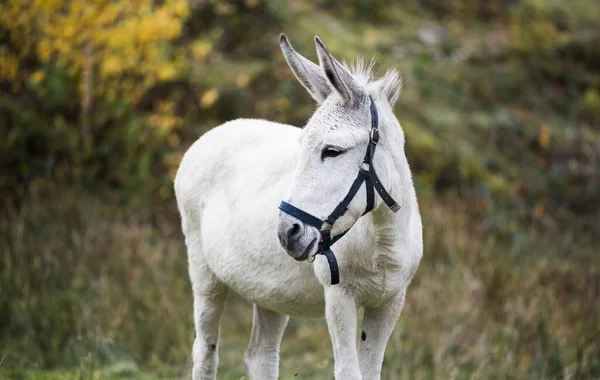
point(366, 174)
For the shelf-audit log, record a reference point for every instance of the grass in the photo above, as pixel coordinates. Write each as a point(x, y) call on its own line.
point(101, 289)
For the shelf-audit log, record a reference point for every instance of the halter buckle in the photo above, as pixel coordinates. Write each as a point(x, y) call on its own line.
point(364, 165)
point(375, 135)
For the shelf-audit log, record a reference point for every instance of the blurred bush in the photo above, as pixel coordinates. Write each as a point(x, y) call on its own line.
point(113, 92)
point(75, 79)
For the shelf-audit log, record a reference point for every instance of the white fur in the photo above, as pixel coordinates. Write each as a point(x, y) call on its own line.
point(228, 187)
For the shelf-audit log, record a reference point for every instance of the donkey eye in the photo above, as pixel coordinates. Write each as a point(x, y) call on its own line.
point(330, 152)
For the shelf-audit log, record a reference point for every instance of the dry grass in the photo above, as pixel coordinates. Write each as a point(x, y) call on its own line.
point(96, 285)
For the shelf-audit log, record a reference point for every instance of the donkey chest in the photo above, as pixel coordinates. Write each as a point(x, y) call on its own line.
point(374, 276)
point(378, 280)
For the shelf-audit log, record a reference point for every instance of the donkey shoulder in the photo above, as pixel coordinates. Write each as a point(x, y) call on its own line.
point(229, 150)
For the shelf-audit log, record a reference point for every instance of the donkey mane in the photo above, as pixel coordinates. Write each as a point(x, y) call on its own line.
point(364, 72)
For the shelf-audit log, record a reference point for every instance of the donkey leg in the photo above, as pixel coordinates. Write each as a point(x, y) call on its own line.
point(262, 355)
point(377, 327)
point(340, 313)
point(209, 299)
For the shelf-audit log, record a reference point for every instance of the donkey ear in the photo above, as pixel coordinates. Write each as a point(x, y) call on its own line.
point(310, 75)
point(340, 79)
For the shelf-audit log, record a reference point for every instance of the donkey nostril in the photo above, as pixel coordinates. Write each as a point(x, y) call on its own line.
point(294, 231)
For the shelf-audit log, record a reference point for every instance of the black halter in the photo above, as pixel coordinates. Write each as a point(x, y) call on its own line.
point(367, 174)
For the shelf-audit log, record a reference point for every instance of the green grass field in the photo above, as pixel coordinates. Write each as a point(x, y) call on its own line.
point(103, 290)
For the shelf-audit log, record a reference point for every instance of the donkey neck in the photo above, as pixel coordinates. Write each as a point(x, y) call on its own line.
point(390, 160)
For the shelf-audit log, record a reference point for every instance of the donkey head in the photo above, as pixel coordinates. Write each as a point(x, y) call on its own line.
point(334, 141)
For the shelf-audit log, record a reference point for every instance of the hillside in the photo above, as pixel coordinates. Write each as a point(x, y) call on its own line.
point(501, 111)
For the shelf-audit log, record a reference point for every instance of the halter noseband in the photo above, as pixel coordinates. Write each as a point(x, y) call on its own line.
point(367, 174)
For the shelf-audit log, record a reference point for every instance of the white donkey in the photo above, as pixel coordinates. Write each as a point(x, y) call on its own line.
point(230, 183)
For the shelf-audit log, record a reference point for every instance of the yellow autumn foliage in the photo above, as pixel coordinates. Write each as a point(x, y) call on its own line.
point(112, 53)
point(121, 37)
